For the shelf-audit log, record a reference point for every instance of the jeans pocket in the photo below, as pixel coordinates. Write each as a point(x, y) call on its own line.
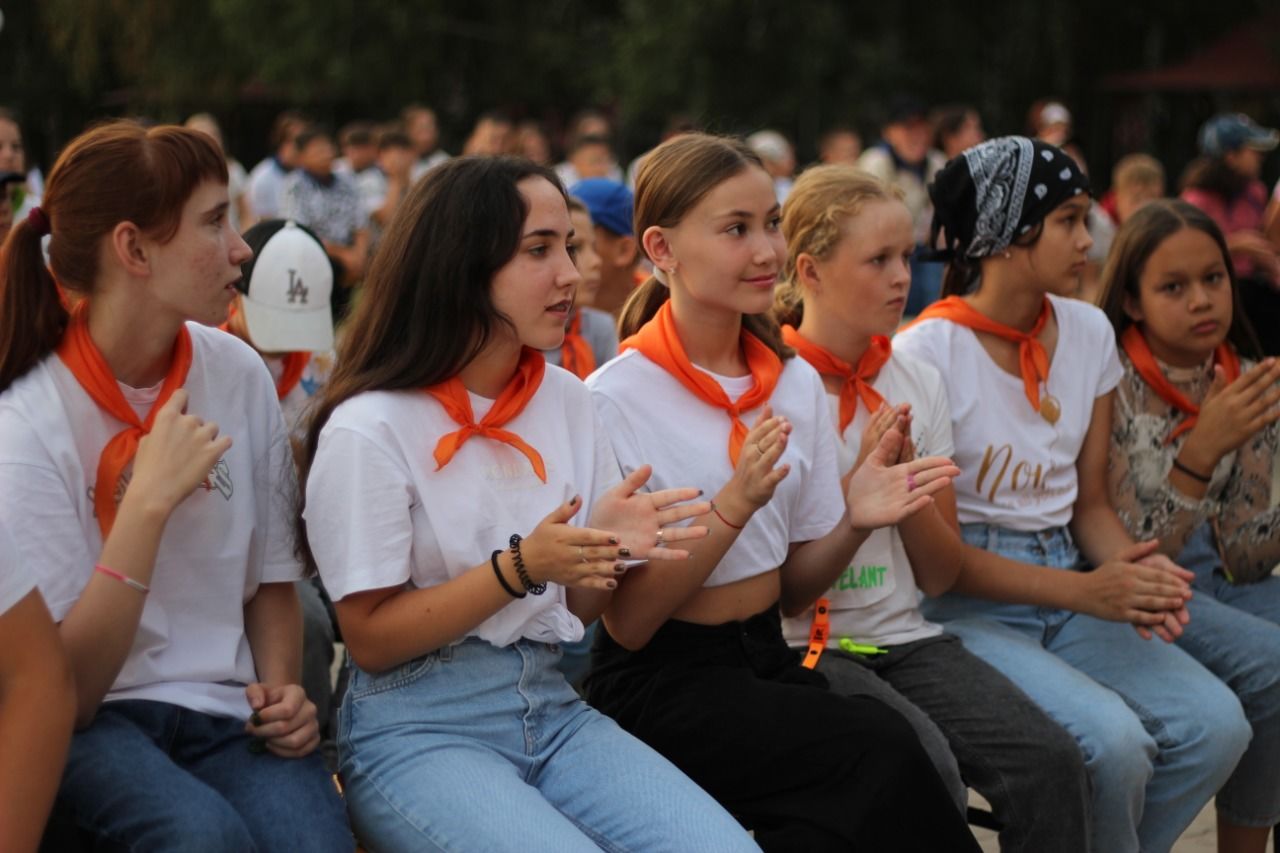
point(364, 684)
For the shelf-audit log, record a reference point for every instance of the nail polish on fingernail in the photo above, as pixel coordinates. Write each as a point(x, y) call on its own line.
point(699, 492)
point(620, 567)
point(624, 552)
point(255, 718)
point(611, 584)
point(613, 540)
point(574, 500)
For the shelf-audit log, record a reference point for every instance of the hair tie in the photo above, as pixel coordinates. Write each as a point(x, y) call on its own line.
point(39, 221)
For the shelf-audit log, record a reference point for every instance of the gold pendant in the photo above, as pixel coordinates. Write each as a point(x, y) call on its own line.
point(1050, 409)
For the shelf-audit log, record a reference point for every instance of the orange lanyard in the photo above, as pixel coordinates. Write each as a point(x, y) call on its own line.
point(818, 633)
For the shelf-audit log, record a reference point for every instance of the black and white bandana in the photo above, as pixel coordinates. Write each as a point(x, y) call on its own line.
point(995, 192)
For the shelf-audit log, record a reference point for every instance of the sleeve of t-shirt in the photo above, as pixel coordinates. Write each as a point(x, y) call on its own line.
point(359, 526)
point(1105, 344)
point(15, 580)
point(936, 419)
point(606, 473)
point(36, 505)
point(620, 438)
point(821, 500)
point(280, 562)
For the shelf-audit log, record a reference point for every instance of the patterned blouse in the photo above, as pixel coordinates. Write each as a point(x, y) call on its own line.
point(1239, 503)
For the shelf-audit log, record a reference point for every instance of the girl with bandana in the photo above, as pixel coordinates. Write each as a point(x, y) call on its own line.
point(1193, 449)
point(1029, 375)
point(690, 656)
point(146, 477)
point(466, 515)
point(846, 278)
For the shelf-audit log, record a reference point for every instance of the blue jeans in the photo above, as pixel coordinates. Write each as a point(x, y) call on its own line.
point(1159, 733)
point(475, 747)
point(153, 776)
point(1235, 632)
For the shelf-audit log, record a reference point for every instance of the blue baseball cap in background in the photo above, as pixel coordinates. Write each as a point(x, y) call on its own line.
point(1229, 132)
point(610, 203)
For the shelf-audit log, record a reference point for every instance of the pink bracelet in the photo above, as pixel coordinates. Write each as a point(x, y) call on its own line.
point(127, 581)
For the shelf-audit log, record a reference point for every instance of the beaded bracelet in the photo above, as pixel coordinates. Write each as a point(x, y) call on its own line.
point(525, 580)
point(1195, 475)
point(124, 579)
point(493, 558)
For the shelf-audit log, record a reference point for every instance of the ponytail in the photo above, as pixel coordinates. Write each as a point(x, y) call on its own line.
point(960, 277)
point(32, 316)
point(788, 304)
point(641, 306)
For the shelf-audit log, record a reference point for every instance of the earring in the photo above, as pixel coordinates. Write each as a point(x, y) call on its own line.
point(1006, 255)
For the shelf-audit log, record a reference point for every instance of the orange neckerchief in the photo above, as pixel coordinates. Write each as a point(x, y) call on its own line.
point(81, 356)
point(452, 394)
point(575, 353)
point(857, 379)
point(1135, 346)
point(659, 342)
point(294, 364)
point(1032, 358)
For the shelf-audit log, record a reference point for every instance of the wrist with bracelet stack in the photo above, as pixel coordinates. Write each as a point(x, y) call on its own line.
point(521, 572)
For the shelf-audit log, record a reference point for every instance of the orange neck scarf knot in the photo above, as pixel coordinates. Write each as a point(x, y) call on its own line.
point(452, 395)
point(857, 378)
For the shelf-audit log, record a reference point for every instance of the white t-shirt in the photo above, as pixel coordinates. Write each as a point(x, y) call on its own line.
point(652, 419)
point(380, 515)
point(266, 188)
point(219, 544)
point(599, 331)
point(296, 405)
point(1018, 471)
point(15, 580)
point(876, 599)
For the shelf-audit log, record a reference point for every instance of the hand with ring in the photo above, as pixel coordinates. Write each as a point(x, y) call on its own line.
point(559, 552)
point(880, 493)
point(757, 473)
point(647, 522)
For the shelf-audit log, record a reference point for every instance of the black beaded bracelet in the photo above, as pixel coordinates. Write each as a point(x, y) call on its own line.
point(525, 581)
point(1195, 475)
point(497, 570)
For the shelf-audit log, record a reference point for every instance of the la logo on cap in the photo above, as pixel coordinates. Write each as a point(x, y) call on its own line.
point(297, 290)
point(287, 287)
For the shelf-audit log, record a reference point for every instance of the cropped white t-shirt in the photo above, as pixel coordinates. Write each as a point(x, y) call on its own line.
point(379, 514)
point(876, 599)
point(1018, 471)
point(652, 419)
point(225, 539)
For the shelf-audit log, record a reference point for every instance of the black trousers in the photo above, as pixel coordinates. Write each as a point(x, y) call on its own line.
point(804, 768)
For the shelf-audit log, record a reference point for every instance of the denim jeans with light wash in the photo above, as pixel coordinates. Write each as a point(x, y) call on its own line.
point(475, 747)
point(1160, 734)
point(150, 776)
point(1235, 632)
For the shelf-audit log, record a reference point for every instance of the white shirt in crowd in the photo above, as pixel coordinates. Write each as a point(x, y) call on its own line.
point(876, 599)
point(652, 419)
point(225, 539)
point(296, 405)
point(266, 188)
point(15, 580)
point(379, 514)
point(599, 331)
point(1018, 471)
point(426, 164)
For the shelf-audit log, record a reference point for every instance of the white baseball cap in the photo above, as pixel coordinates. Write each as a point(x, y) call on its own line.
point(287, 285)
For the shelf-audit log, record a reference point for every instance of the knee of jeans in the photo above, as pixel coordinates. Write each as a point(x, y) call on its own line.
point(1118, 753)
point(220, 829)
point(1218, 731)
